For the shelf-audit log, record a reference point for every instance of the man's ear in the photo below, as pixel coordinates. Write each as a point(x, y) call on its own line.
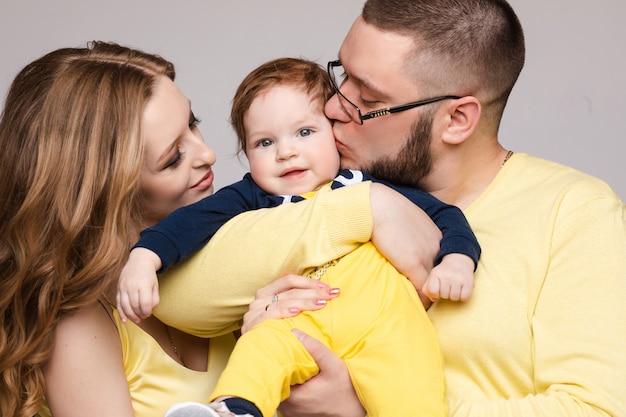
point(463, 116)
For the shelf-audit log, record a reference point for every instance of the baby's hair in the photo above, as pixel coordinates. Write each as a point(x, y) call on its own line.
point(301, 73)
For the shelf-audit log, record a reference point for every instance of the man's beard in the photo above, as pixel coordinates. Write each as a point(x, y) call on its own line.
point(413, 162)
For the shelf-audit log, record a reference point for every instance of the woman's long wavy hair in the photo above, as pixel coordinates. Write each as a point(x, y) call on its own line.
point(70, 163)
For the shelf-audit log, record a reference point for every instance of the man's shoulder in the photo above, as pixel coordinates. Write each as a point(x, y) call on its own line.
point(553, 179)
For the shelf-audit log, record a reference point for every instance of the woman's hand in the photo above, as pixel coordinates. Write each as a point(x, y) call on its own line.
point(329, 393)
point(286, 297)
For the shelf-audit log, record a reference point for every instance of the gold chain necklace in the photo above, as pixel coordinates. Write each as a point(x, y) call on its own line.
point(506, 158)
point(173, 345)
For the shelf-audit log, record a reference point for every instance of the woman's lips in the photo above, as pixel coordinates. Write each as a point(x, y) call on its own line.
point(205, 182)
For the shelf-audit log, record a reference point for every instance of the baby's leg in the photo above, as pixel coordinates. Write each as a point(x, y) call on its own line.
point(266, 361)
point(381, 330)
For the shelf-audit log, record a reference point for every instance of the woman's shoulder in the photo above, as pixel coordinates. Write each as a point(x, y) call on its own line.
point(86, 366)
point(88, 324)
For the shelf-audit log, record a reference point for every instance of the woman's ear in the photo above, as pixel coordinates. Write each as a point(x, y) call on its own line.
point(463, 116)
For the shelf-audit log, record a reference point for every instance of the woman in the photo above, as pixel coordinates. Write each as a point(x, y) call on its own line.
point(76, 187)
point(99, 143)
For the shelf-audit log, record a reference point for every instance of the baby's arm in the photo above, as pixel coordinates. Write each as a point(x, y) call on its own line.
point(199, 296)
point(138, 285)
point(178, 236)
point(452, 277)
point(188, 229)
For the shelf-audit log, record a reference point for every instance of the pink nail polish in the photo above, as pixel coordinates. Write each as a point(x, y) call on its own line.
point(333, 291)
point(294, 310)
point(320, 302)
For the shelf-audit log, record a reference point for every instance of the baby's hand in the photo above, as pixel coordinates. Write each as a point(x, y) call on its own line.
point(452, 279)
point(138, 286)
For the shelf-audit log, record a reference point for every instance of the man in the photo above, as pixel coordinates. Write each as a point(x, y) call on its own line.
point(544, 333)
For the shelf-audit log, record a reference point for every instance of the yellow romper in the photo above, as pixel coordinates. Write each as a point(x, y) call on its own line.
point(378, 325)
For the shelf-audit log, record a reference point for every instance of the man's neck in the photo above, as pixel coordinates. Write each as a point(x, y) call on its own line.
point(462, 178)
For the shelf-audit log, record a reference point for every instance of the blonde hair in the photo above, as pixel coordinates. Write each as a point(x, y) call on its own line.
point(70, 164)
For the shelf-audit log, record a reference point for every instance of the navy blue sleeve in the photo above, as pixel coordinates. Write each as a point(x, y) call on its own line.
point(189, 228)
point(457, 235)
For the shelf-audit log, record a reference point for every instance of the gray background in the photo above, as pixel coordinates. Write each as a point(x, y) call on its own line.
point(568, 105)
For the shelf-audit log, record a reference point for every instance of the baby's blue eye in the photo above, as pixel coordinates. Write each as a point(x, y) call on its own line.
point(264, 143)
point(305, 132)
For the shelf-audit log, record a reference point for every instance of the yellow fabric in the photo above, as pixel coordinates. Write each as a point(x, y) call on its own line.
point(544, 333)
point(208, 294)
point(378, 326)
point(156, 381)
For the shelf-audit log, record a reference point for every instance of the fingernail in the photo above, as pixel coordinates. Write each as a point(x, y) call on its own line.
point(294, 310)
point(298, 334)
point(322, 285)
point(320, 302)
point(333, 291)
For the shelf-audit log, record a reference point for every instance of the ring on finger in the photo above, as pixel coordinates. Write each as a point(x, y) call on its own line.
point(274, 298)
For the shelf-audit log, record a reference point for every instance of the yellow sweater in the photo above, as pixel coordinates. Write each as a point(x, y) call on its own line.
point(544, 333)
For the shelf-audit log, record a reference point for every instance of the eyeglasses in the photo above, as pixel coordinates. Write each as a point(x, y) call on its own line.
point(338, 76)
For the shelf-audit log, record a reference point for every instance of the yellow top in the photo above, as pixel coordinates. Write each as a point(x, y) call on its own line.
point(156, 381)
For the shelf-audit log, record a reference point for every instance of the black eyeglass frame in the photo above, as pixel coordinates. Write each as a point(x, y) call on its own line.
point(380, 112)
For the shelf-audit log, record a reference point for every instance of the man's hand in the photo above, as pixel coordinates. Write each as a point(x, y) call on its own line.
point(329, 393)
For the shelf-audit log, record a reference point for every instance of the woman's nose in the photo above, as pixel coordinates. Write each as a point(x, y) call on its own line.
point(205, 155)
